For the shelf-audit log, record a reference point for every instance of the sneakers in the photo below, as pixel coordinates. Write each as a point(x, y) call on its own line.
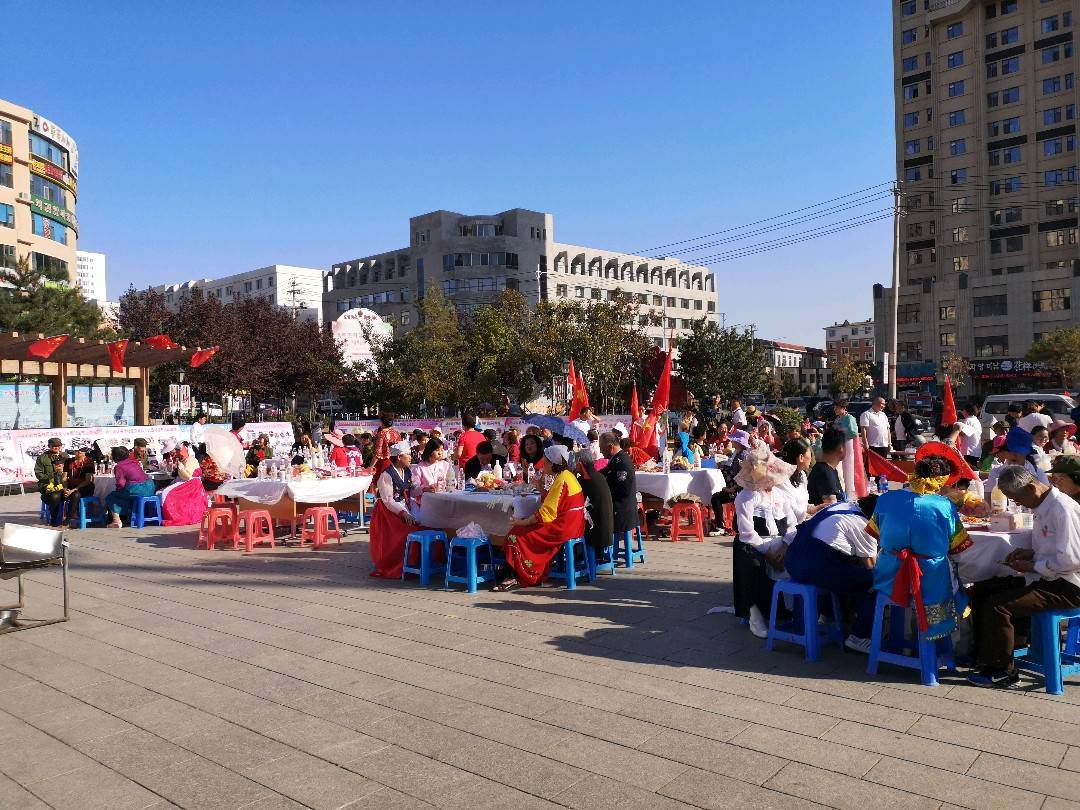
point(994, 678)
point(758, 626)
point(860, 645)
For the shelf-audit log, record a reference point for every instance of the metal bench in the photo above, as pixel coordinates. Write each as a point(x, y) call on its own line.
point(28, 548)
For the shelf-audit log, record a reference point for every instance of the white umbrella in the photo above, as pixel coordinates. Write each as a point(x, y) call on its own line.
point(226, 451)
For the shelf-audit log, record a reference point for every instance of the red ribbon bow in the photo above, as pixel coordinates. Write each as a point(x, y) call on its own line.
point(907, 585)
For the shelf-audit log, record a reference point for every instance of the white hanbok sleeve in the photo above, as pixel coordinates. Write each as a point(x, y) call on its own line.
point(385, 490)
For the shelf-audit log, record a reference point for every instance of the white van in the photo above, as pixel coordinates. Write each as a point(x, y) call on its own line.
point(996, 406)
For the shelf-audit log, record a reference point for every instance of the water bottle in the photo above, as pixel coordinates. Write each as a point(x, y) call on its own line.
point(882, 484)
point(497, 470)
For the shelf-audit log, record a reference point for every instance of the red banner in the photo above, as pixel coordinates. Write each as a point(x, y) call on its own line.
point(117, 349)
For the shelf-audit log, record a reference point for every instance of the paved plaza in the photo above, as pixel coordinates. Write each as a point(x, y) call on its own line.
point(289, 678)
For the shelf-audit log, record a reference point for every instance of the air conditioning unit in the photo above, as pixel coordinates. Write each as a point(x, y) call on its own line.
point(24, 197)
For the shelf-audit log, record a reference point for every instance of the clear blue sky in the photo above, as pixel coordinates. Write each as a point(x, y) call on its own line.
point(216, 138)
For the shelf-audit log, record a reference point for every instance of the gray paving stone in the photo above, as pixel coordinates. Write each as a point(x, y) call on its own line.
point(542, 776)
point(808, 750)
point(14, 796)
point(713, 791)
point(94, 788)
point(601, 793)
point(203, 785)
point(719, 757)
point(843, 792)
point(312, 781)
point(964, 791)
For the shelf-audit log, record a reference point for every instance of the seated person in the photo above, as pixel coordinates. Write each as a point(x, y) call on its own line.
point(186, 463)
point(1054, 558)
point(131, 482)
point(498, 449)
point(391, 520)
point(483, 459)
point(823, 483)
point(600, 532)
point(49, 472)
point(833, 550)
point(1065, 475)
point(140, 453)
point(78, 479)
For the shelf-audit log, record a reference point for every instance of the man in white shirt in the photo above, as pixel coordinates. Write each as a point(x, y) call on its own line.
point(969, 442)
point(738, 415)
point(1033, 416)
point(586, 421)
point(1051, 567)
point(874, 426)
point(198, 427)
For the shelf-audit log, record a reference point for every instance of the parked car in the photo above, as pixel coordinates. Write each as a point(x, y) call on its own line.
point(996, 406)
point(329, 405)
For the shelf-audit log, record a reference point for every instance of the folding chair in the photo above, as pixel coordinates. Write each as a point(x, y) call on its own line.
point(26, 548)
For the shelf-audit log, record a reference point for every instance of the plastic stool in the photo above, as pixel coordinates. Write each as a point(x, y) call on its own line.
point(473, 575)
point(643, 518)
point(811, 634)
point(629, 548)
point(258, 528)
point(693, 529)
point(220, 525)
point(43, 514)
point(930, 652)
point(604, 560)
point(139, 507)
point(425, 540)
point(1044, 656)
point(87, 517)
point(566, 566)
point(320, 531)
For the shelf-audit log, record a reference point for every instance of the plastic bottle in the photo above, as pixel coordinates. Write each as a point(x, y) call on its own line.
point(998, 501)
point(497, 470)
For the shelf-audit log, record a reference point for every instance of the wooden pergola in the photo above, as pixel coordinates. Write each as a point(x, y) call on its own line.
point(82, 358)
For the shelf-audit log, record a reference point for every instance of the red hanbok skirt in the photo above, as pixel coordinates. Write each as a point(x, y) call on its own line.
point(386, 543)
point(530, 552)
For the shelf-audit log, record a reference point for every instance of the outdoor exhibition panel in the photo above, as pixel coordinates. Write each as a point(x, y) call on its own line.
point(281, 498)
point(491, 510)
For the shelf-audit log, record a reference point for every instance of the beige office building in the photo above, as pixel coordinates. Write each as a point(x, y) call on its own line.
point(472, 258)
point(985, 100)
point(39, 170)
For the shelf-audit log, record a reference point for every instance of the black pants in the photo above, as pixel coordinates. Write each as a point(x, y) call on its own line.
point(1002, 614)
point(73, 500)
point(750, 574)
point(54, 505)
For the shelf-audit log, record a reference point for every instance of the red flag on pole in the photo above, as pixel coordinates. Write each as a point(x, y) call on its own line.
point(571, 376)
point(663, 389)
point(203, 355)
point(862, 486)
point(584, 391)
point(161, 342)
point(948, 406)
point(43, 349)
point(879, 466)
point(635, 415)
point(116, 354)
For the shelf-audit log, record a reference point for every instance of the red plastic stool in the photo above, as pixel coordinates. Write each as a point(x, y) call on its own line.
point(320, 531)
point(258, 528)
point(643, 514)
point(729, 518)
point(693, 529)
point(221, 527)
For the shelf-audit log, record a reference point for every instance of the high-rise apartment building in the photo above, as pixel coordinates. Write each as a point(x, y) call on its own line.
point(985, 101)
point(295, 288)
point(91, 275)
point(472, 258)
point(39, 169)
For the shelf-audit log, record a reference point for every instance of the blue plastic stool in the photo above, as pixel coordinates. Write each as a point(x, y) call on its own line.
point(605, 561)
point(1044, 655)
point(94, 516)
point(473, 575)
point(566, 565)
point(930, 652)
point(629, 550)
point(425, 540)
point(139, 508)
point(811, 634)
point(43, 514)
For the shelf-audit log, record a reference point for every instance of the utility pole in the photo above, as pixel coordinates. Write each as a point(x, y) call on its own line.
point(898, 212)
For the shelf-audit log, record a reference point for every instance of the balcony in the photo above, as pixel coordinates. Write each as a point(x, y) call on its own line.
point(940, 9)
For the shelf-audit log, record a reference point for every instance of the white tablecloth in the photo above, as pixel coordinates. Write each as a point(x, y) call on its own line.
point(105, 484)
point(983, 559)
point(452, 510)
point(328, 490)
point(702, 483)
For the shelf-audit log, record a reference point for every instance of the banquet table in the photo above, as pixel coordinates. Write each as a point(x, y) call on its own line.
point(702, 483)
point(983, 559)
point(280, 498)
point(492, 511)
point(105, 483)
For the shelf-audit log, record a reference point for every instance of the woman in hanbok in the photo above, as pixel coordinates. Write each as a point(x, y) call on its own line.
point(534, 541)
point(917, 530)
point(799, 454)
point(385, 438)
point(391, 520)
point(1061, 434)
point(434, 473)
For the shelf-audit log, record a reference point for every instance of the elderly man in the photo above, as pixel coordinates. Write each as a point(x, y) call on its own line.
point(49, 472)
point(1053, 561)
point(622, 482)
point(874, 426)
point(484, 458)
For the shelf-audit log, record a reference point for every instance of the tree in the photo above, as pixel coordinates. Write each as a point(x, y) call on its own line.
point(720, 360)
point(958, 369)
point(42, 302)
point(498, 364)
point(1059, 350)
point(849, 376)
point(143, 313)
point(789, 419)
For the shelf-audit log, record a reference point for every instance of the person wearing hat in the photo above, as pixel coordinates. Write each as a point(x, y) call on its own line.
point(1061, 438)
point(385, 438)
point(49, 472)
point(1018, 448)
point(391, 520)
point(1065, 475)
point(534, 541)
point(186, 461)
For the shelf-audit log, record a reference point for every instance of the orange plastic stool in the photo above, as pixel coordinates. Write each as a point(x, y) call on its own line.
point(729, 518)
point(643, 515)
point(320, 531)
point(693, 529)
point(258, 528)
point(222, 526)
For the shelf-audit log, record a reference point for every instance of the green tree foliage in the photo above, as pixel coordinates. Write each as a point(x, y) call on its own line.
point(720, 360)
point(790, 419)
point(1059, 350)
point(848, 376)
point(39, 302)
point(958, 369)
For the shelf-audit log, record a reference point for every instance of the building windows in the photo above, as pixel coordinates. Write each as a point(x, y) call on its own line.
point(1051, 300)
point(451, 260)
point(1003, 67)
point(49, 228)
point(49, 265)
point(5, 133)
point(909, 36)
point(910, 63)
point(1055, 53)
point(596, 293)
point(957, 176)
point(955, 60)
point(956, 118)
point(1003, 216)
point(1010, 95)
point(1011, 244)
point(958, 147)
point(1056, 146)
point(1051, 85)
point(961, 264)
point(956, 89)
point(1057, 177)
point(960, 234)
point(7, 215)
point(671, 302)
point(911, 120)
point(905, 313)
point(1006, 126)
point(579, 292)
point(1057, 207)
point(954, 30)
point(947, 339)
point(1055, 115)
point(1061, 237)
point(908, 8)
point(48, 150)
point(1008, 155)
point(995, 346)
point(911, 92)
point(5, 175)
point(960, 205)
point(912, 147)
point(913, 173)
point(1005, 185)
point(480, 229)
point(910, 350)
point(991, 306)
point(1049, 24)
point(947, 312)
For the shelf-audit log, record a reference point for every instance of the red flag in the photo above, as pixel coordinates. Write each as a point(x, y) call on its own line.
point(948, 406)
point(862, 486)
point(879, 466)
point(161, 342)
point(43, 349)
point(571, 376)
point(584, 391)
point(203, 355)
point(663, 389)
point(577, 403)
point(635, 415)
point(116, 354)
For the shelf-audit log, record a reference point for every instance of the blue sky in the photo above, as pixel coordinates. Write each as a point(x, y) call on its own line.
point(216, 138)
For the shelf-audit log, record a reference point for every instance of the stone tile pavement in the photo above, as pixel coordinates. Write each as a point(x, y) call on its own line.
point(288, 678)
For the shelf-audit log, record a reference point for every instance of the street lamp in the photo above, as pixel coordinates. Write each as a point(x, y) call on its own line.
point(564, 370)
